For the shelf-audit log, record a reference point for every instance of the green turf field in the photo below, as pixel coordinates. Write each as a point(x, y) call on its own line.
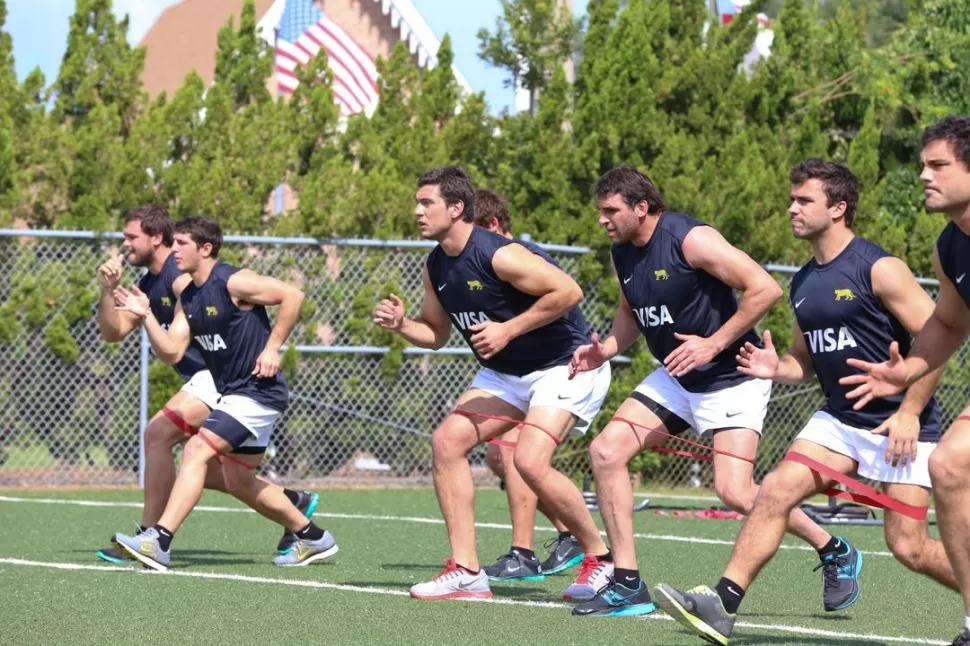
point(222, 588)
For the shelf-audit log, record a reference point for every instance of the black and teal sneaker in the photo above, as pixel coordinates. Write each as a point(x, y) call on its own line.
point(617, 600)
point(840, 576)
point(565, 553)
point(307, 504)
point(515, 566)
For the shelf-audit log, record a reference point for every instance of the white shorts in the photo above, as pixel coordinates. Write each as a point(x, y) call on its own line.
point(582, 396)
point(202, 387)
point(243, 422)
point(868, 450)
point(743, 405)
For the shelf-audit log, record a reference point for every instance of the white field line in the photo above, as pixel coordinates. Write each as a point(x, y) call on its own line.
point(795, 630)
point(426, 520)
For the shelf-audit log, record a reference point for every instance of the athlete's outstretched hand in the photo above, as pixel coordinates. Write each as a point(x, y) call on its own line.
point(389, 313)
point(694, 352)
point(489, 338)
point(903, 429)
point(109, 273)
point(133, 300)
point(588, 357)
point(267, 363)
point(758, 362)
point(877, 379)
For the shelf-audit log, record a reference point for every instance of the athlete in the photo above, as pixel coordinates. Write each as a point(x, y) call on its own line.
point(677, 278)
point(521, 563)
point(945, 160)
point(223, 310)
point(851, 300)
point(512, 307)
point(148, 235)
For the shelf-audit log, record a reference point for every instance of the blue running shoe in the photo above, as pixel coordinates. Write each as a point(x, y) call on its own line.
point(306, 552)
point(617, 600)
point(566, 553)
point(840, 576)
point(307, 504)
point(145, 548)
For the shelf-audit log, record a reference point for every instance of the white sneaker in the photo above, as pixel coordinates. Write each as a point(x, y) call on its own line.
point(454, 582)
point(594, 575)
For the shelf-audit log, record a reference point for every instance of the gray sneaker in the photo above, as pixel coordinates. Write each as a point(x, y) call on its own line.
point(699, 610)
point(840, 576)
point(306, 552)
point(515, 566)
point(566, 553)
point(145, 548)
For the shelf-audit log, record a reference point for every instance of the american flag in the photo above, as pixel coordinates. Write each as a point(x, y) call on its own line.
point(304, 31)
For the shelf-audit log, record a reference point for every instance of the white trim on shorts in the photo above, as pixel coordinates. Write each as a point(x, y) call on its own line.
point(743, 405)
point(868, 450)
point(582, 396)
point(258, 419)
point(202, 387)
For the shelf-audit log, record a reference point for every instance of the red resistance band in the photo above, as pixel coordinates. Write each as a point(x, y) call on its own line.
point(859, 491)
point(179, 421)
point(220, 455)
point(685, 454)
point(499, 418)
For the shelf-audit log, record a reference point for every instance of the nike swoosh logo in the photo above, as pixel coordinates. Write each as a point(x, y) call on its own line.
point(564, 397)
point(629, 278)
point(464, 585)
point(799, 302)
point(441, 287)
point(960, 278)
point(734, 414)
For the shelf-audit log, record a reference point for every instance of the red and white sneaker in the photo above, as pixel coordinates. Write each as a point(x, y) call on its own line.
point(454, 582)
point(594, 575)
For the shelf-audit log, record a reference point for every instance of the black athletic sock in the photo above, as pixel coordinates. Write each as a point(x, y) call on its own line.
point(608, 557)
point(529, 554)
point(165, 537)
point(628, 578)
point(731, 594)
point(310, 533)
point(468, 569)
point(564, 535)
point(294, 496)
point(832, 547)
point(141, 529)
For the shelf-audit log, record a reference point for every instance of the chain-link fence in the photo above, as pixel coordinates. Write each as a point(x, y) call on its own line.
point(362, 404)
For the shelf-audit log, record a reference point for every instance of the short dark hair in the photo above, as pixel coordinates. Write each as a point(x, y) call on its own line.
point(202, 230)
point(955, 130)
point(632, 185)
point(488, 205)
point(455, 186)
point(838, 182)
point(154, 220)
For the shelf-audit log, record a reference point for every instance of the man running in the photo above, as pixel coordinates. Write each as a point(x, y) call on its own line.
point(850, 301)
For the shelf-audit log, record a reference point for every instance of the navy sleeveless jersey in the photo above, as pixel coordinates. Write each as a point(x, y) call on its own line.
point(841, 317)
point(162, 299)
point(574, 317)
point(470, 292)
point(953, 246)
point(231, 339)
point(667, 295)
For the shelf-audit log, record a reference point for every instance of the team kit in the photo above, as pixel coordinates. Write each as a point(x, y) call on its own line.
point(863, 329)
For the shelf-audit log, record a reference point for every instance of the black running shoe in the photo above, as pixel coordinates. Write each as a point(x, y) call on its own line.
point(566, 553)
point(840, 576)
point(962, 639)
point(515, 566)
point(617, 600)
point(307, 504)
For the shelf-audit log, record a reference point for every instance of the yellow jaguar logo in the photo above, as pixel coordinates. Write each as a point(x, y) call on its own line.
point(844, 295)
point(211, 310)
point(661, 274)
point(166, 301)
point(475, 285)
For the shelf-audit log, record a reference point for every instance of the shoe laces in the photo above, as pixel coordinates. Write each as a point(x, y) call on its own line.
point(451, 571)
point(831, 565)
point(590, 568)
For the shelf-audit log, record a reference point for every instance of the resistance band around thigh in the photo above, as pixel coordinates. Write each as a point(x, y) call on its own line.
point(518, 422)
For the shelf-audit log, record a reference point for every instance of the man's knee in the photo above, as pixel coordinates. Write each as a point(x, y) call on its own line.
point(531, 466)
point(607, 452)
point(775, 494)
point(740, 497)
point(162, 434)
point(906, 546)
point(948, 469)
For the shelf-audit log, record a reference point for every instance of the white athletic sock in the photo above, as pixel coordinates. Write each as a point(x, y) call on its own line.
point(966, 623)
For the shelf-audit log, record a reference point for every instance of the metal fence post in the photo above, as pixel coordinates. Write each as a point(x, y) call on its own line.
point(142, 405)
